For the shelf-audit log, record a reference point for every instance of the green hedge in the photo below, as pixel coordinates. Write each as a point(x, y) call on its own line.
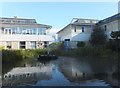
point(10, 55)
point(87, 51)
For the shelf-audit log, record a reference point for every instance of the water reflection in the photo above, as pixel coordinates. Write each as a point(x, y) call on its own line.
point(75, 70)
point(28, 74)
point(61, 72)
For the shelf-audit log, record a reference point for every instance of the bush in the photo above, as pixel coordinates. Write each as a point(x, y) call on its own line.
point(10, 55)
point(112, 44)
point(98, 36)
point(13, 55)
point(56, 48)
point(1, 47)
point(91, 52)
point(81, 44)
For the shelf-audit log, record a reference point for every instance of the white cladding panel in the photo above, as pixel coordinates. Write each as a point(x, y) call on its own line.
point(81, 37)
point(66, 37)
point(26, 38)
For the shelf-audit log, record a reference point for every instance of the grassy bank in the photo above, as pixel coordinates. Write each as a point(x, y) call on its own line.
point(87, 51)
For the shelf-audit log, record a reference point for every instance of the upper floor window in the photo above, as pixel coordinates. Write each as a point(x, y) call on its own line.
point(6, 31)
point(105, 27)
point(83, 29)
point(9, 31)
point(75, 28)
point(41, 31)
point(2, 30)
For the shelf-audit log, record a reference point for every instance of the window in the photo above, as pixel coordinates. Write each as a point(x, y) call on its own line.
point(33, 44)
point(45, 43)
point(67, 39)
point(2, 29)
point(105, 27)
point(9, 31)
point(8, 45)
point(83, 29)
point(23, 31)
point(39, 31)
point(34, 31)
point(22, 45)
point(5, 31)
point(44, 32)
point(27, 32)
point(30, 31)
point(74, 28)
point(14, 30)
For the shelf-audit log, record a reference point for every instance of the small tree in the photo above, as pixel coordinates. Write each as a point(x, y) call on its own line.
point(116, 37)
point(98, 36)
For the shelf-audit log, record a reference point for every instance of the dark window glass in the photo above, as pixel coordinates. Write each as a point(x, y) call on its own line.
point(83, 29)
point(105, 27)
point(22, 45)
point(74, 28)
point(9, 45)
point(67, 39)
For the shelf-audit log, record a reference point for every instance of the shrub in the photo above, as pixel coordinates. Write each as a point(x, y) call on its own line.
point(112, 44)
point(13, 55)
point(98, 36)
point(1, 47)
point(81, 44)
point(56, 48)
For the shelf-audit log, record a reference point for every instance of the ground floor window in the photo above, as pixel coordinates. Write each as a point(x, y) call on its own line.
point(33, 44)
point(22, 44)
point(9, 45)
point(45, 43)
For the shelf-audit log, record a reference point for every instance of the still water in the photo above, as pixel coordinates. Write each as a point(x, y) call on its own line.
point(61, 72)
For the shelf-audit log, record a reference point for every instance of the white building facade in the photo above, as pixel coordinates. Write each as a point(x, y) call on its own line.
point(81, 29)
point(19, 33)
point(78, 30)
point(110, 24)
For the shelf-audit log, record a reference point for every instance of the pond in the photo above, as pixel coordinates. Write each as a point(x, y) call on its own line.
point(61, 72)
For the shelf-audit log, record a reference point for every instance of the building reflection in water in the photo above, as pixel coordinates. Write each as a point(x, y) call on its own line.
point(29, 74)
point(76, 71)
point(61, 72)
